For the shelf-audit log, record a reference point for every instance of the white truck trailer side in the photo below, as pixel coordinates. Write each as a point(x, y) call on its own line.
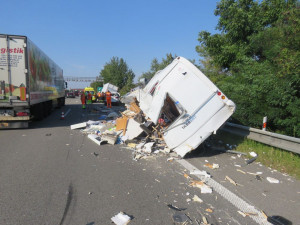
point(31, 84)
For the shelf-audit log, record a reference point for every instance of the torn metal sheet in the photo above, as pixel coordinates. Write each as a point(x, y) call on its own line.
point(133, 129)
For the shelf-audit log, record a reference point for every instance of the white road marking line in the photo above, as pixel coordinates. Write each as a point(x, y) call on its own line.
point(228, 195)
point(67, 112)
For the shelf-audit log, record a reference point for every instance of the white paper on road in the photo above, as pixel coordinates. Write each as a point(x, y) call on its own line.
point(121, 219)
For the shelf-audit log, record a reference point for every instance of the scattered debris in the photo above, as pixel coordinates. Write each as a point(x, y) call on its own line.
point(78, 125)
point(257, 177)
point(110, 138)
point(230, 180)
point(244, 214)
point(241, 213)
point(170, 159)
point(272, 180)
point(204, 220)
point(204, 187)
point(212, 166)
point(176, 208)
point(48, 134)
point(241, 171)
point(197, 199)
point(257, 173)
point(264, 214)
point(278, 220)
point(121, 219)
point(200, 172)
point(186, 176)
point(209, 210)
point(133, 129)
point(95, 138)
point(251, 160)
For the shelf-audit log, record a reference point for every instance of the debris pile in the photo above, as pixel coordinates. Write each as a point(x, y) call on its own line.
point(129, 127)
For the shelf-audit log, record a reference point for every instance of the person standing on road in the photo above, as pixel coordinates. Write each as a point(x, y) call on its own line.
point(83, 99)
point(108, 99)
point(89, 101)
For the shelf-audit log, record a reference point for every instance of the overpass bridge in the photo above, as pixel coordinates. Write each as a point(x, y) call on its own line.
point(80, 82)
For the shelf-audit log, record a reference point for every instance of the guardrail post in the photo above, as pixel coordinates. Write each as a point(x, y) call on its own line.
point(264, 123)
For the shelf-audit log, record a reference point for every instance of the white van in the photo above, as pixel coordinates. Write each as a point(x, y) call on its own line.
point(187, 103)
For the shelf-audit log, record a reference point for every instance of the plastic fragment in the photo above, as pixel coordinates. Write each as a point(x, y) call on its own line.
point(209, 210)
point(230, 180)
point(121, 219)
point(241, 171)
point(272, 180)
point(197, 199)
point(204, 220)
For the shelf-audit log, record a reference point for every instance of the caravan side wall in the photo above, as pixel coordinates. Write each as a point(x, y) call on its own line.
point(203, 107)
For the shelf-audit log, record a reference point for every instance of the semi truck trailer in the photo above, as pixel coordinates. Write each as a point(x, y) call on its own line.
point(31, 84)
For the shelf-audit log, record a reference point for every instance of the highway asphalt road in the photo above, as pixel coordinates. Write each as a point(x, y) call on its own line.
point(50, 174)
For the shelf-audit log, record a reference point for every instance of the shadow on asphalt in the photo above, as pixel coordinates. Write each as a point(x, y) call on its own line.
point(209, 147)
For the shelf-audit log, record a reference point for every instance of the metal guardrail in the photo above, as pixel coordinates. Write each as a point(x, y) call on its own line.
point(276, 140)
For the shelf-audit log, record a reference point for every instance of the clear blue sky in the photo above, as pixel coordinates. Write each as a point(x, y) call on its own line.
point(81, 36)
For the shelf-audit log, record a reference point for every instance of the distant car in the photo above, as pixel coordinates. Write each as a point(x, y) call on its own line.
point(115, 98)
point(70, 95)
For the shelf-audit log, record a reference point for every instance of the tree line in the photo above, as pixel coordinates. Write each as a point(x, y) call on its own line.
point(254, 59)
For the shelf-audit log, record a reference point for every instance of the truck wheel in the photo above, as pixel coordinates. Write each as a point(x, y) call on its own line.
point(45, 109)
point(37, 111)
point(63, 101)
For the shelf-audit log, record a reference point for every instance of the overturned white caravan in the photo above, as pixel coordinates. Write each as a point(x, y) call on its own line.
point(187, 102)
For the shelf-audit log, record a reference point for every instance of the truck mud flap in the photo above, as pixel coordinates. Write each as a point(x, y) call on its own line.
point(13, 124)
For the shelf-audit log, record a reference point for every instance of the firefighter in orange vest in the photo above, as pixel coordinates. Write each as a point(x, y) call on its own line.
point(83, 100)
point(108, 99)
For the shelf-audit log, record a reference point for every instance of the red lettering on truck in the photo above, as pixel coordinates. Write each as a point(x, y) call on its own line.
point(12, 50)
